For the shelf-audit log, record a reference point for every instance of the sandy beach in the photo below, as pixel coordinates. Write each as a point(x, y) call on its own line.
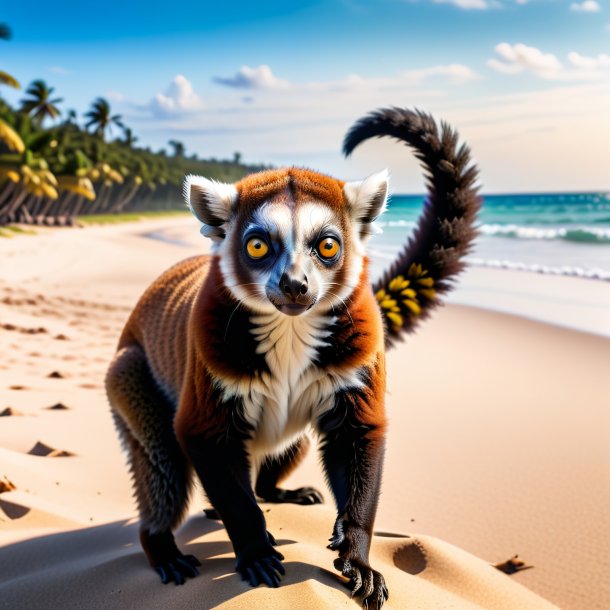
point(499, 445)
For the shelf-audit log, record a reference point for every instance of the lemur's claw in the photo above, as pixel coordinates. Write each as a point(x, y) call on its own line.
point(166, 559)
point(264, 569)
point(364, 582)
point(178, 569)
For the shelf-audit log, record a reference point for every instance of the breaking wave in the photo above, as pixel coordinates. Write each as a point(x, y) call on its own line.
point(589, 235)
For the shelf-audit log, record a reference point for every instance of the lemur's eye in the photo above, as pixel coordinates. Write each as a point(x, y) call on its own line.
point(328, 247)
point(256, 248)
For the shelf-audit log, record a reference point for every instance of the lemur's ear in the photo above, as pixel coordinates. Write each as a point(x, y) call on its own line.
point(211, 202)
point(366, 200)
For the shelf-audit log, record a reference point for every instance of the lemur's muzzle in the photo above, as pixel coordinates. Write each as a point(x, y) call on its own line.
point(294, 296)
point(295, 287)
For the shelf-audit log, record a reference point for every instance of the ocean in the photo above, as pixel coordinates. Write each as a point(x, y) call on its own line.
point(559, 233)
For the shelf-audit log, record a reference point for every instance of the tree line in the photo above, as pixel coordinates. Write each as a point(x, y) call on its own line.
point(52, 174)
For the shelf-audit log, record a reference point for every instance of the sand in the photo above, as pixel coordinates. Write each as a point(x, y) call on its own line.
point(498, 446)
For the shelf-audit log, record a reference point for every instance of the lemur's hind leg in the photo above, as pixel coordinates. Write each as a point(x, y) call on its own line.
point(143, 417)
point(274, 470)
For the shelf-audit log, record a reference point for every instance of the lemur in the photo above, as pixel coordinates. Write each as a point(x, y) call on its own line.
point(228, 359)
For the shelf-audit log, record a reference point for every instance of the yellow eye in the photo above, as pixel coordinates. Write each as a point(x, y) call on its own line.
point(256, 248)
point(328, 247)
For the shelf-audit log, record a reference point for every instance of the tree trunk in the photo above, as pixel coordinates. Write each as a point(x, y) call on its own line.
point(12, 205)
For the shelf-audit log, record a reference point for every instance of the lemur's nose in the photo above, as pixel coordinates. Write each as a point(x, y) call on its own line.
point(293, 286)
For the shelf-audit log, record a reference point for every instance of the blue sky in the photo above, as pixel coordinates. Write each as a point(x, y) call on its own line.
point(527, 83)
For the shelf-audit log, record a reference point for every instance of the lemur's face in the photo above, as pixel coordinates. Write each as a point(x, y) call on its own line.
point(289, 240)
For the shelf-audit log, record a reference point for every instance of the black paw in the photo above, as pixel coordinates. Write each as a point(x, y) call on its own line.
point(303, 495)
point(260, 566)
point(166, 559)
point(178, 569)
point(365, 583)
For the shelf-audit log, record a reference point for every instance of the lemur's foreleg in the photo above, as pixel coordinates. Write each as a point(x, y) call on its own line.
point(274, 470)
point(223, 465)
point(352, 453)
point(143, 418)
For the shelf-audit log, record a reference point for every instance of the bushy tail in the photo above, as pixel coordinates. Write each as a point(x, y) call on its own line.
point(410, 288)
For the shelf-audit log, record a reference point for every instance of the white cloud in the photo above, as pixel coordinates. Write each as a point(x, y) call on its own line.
point(468, 4)
point(589, 63)
point(587, 6)
point(115, 96)
point(519, 57)
point(253, 78)
point(59, 70)
point(262, 78)
point(454, 73)
point(179, 98)
point(522, 58)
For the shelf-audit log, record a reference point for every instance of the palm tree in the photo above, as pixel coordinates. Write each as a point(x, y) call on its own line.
point(128, 138)
point(178, 148)
point(71, 117)
point(39, 105)
point(101, 118)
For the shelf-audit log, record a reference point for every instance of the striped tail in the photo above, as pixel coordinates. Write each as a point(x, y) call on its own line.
point(425, 268)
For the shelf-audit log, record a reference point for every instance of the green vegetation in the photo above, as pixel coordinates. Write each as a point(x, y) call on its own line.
point(11, 230)
point(53, 170)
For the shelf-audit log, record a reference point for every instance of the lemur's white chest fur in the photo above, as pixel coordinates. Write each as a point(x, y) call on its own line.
point(281, 403)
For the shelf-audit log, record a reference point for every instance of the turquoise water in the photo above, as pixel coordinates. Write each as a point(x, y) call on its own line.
point(560, 233)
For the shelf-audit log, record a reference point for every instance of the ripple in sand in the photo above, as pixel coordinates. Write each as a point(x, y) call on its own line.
point(42, 450)
point(22, 329)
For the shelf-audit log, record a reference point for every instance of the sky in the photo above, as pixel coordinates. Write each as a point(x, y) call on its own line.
point(525, 82)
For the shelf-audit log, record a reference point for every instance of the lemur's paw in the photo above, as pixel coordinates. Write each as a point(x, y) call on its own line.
point(166, 559)
point(262, 565)
point(177, 570)
point(365, 583)
point(303, 495)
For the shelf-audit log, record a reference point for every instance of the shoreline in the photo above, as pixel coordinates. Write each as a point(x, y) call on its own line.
point(576, 303)
point(522, 292)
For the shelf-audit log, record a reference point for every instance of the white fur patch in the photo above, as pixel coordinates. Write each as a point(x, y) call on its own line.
point(219, 197)
point(367, 199)
point(281, 404)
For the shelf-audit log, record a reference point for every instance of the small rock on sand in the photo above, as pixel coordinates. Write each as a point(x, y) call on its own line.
point(58, 406)
point(9, 411)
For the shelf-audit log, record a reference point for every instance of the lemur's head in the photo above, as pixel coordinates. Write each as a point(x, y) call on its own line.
point(291, 239)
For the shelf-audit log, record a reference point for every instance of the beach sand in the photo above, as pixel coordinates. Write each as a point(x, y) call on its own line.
point(498, 446)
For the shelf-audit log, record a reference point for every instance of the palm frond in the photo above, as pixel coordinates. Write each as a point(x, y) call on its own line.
point(7, 79)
